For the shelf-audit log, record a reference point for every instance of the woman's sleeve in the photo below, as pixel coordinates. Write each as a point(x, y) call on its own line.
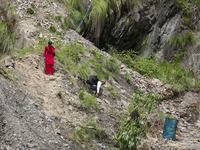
point(98, 86)
point(54, 50)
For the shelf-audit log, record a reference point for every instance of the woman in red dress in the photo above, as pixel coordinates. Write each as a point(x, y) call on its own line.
point(49, 54)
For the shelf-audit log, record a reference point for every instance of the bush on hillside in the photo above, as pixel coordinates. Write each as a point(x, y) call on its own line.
point(7, 26)
point(170, 73)
point(30, 11)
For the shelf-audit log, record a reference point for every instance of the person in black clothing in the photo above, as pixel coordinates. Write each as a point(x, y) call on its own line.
point(95, 84)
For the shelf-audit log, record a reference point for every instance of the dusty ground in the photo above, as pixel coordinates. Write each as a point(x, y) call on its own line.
point(183, 108)
point(41, 110)
point(34, 116)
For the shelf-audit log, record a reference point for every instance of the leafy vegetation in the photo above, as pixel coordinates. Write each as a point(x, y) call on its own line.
point(30, 11)
point(180, 41)
point(76, 13)
point(88, 101)
point(128, 78)
point(197, 2)
point(7, 38)
point(169, 73)
point(185, 6)
point(52, 29)
point(85, 71)
point(89, 131)
point(60, 94)
point(73, 80)
point(115, 92)
point(77, 4)
point(58, 18)
point(7, 25)
point(8, 74)
point(131, 129)
point(70, 55)
point(105, 69)
point(113, 66)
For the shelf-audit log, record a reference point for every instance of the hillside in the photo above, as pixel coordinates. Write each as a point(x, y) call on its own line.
point(53, 112)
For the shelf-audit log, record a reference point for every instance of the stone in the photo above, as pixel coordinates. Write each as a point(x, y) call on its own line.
point(9, 63)
point(125, 103)
point(90, 127)
point(166, 110)
point(70, 108)
point(107, 101)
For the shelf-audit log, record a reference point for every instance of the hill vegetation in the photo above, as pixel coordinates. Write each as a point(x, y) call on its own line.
point(76, 62)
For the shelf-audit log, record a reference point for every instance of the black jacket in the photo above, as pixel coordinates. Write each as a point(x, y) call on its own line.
point(92, 80)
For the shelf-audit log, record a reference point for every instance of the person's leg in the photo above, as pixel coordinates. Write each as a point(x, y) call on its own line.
point(48, 69)
point(100, 92)
point(52, 68)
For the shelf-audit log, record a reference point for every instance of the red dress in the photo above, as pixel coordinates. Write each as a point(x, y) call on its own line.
point(49, 53)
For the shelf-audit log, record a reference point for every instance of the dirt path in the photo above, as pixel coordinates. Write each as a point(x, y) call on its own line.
point(46, 88)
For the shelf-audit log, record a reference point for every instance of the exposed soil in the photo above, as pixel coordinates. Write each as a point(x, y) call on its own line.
point(41, 111)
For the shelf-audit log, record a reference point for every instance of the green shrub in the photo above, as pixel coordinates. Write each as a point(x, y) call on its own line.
point(70, 55)
point(190, 38)
point(115, 92)
point(177, 41)
point(98, 64)
point(8, 74)
point(84, 71)
point(60, 94)
point(33, 5)
point(113, 66)
point(58, 18)
point(52, 29)
point(73, 80)
point(39, 24)
point(77, 4)
point(63, 26)
point(7, 38)
point(185, 7)
point(90, 130)
point(197, 2)
point(180, 41)
point(73, 20)
point(131, 129)
point(88, 101)
point(99, 11)
point(186, 20)
point(128, 78)
point(30, 11)
point(68, 23)
point(7, 27)
point(170, 73)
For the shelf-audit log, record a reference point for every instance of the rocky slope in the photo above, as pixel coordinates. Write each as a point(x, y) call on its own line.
point(150, 27)
point(38, 111)
point(34, 115)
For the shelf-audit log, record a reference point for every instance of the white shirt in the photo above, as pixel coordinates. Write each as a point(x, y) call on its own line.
point(98, 86)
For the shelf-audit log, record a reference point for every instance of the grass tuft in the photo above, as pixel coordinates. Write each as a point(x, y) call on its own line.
point(90, 130)
point(88, 101)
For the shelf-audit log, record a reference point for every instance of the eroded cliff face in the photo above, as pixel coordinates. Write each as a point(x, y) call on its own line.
point(150, 28)
point(34, 116)
point(128, 28)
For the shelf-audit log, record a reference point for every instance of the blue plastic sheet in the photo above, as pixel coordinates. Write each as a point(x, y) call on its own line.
point(169, 130)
